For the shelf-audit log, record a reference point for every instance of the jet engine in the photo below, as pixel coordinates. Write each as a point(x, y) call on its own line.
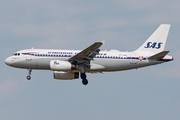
point(59, 65)
point(65, 75)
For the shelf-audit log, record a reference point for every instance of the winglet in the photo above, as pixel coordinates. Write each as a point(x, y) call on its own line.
point(103, 42)
point(159, 55)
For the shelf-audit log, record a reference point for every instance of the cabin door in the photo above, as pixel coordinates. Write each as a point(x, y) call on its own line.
point(133, 59)
point(28, 56)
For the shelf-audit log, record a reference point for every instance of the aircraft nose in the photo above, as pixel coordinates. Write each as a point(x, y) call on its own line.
point(8, 61)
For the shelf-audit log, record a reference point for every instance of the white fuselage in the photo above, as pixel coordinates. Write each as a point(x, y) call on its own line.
point(106, 61)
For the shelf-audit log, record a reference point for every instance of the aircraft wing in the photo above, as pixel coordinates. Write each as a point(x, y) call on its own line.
point(87, 54)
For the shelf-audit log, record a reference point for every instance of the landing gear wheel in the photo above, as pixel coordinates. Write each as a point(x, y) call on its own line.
point(85, 81)
point(28, 77)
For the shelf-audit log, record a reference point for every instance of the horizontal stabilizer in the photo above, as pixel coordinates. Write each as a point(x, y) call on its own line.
point(159, 55)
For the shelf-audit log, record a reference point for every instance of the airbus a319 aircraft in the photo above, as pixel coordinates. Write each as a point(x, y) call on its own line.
point(68, 64)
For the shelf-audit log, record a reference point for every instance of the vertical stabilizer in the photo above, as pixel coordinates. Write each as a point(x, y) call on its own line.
point(157, 41)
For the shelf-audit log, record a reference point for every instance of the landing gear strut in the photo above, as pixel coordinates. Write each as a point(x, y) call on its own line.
point(29, 77)
point(84, 80)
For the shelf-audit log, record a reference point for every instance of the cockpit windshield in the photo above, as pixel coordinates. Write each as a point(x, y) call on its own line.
point(16, 54)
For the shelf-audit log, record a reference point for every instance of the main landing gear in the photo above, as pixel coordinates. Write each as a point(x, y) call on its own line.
point(84, 80)
point(29, 77)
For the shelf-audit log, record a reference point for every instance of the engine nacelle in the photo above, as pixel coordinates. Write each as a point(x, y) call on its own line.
point(65, 75)
point(59, 65)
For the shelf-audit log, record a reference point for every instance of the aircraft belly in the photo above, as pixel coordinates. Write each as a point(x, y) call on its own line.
point(118, 65)
point(113, 64)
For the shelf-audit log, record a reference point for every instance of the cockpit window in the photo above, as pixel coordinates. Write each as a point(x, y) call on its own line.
point(16, 54)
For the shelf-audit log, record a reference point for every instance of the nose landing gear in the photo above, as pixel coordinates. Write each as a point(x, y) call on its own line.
point(29, 77)
point(84, 80)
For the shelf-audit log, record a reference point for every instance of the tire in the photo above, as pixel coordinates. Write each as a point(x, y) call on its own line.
point(84, 81)
point(28, 77)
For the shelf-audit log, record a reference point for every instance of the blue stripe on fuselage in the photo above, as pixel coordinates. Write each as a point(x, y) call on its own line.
point(102, 57)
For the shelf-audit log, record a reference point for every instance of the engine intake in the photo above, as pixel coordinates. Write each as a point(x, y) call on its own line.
point(65, 75)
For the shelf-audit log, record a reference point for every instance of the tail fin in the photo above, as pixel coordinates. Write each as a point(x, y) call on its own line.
point(157, 41)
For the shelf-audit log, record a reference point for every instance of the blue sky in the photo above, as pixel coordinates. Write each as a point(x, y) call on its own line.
point(147, 93)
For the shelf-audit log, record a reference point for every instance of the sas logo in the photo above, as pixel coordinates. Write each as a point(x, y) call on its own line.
point(56, 63)
point(153, 45)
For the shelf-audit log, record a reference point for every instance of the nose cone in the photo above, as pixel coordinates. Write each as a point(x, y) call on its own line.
point(8, 61)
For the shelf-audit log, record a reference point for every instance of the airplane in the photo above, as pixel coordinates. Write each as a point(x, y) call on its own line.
point(70, 64)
